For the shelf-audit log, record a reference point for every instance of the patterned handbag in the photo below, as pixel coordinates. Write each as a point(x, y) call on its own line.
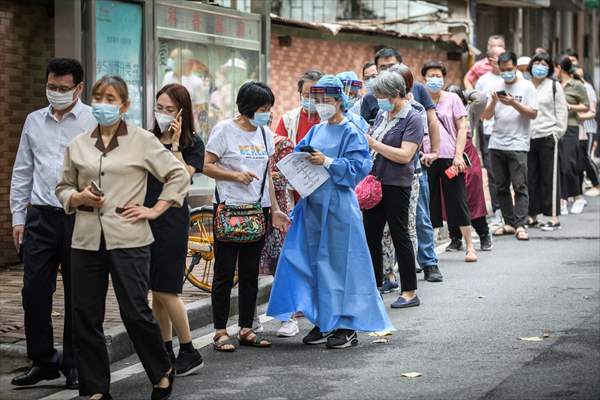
point(243, 223)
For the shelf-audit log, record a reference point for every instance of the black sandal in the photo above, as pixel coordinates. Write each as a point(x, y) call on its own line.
point(219, 345)
point(257, 342)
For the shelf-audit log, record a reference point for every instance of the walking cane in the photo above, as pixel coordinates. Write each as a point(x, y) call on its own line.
point(554, 176)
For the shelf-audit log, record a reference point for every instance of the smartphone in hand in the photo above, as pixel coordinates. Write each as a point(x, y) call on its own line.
point(502, 93)
point(307, 149)
point(96, 189)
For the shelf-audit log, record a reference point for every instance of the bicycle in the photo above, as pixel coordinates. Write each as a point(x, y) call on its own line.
point(201, 248)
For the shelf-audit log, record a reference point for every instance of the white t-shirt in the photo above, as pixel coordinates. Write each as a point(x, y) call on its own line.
point(511, 128)
point(485, 84)
point(240, 150)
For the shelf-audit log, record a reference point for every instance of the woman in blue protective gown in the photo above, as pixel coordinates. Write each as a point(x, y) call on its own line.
point(352, 86)
point(325, 268)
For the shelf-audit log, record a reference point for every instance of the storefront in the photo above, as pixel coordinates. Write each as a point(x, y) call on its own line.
point(208, 49)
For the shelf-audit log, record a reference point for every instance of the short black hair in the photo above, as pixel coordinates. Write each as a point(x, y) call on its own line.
point(65, 66)
point(252, 96)
point(367, 65)
point(310, 75)
point(542, 56)
point(571, 52)
point(433, 65)
point(506, 57)
point(387, 52)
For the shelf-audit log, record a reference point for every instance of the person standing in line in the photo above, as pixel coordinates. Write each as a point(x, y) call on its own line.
point(475, 103)
point(446, 174)
point(352, 86)
point(385, 59)
point(571, 159)
point(486, 84)
point(394, 141)
point(296, 123)
point(587, 133)
point(547, 129)
point(42, 232)
point(275, 237)
point(513, 105)
point(325, 267)
point(171, 230)
point(369, 72)
point(237, 157)
point(495, 44)
point(104, 181)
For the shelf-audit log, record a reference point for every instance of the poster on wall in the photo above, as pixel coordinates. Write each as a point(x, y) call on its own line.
point(119, 49)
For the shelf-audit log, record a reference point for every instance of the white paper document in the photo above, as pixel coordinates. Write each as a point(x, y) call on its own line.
point(303, 176)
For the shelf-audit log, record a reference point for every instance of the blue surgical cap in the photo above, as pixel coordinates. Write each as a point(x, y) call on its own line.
point(348, 76)
point(333, 81)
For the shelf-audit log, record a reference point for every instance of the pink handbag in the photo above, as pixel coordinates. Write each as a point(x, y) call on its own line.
point(368, 192)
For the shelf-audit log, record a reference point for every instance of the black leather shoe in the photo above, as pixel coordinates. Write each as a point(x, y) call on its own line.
point(72, 378)
point(164, 393)
point(34, 375)
point(433, 274)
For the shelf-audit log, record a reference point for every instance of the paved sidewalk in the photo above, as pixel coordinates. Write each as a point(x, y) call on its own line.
point(12, 329)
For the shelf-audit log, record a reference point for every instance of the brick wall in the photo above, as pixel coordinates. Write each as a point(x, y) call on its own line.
point(329, 56)
point(27, 44)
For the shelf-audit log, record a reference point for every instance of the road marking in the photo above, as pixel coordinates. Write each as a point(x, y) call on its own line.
point(137, 368)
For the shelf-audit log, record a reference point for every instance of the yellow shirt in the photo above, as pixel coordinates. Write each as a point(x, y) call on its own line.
point(121, 170)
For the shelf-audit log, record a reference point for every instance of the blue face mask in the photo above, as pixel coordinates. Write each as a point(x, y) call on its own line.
point(385, 105)
point(106, 114)
point(260, 119)
point(308, 105)
point(508, 76)
point(435, 84)
point(540, 71)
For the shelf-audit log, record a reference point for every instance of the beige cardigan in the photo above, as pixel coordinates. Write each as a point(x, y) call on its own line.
point(121, 170)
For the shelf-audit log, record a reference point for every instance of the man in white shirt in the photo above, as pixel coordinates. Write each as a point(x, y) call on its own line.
point(41, 230)
point(485, 84)
point(513, 104)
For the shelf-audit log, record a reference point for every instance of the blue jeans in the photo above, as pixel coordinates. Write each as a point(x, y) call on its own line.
point(426, 256)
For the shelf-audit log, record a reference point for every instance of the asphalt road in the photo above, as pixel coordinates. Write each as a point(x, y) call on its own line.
point(463, 339)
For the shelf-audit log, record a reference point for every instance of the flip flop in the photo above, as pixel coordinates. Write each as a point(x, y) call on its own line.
point(504, 230)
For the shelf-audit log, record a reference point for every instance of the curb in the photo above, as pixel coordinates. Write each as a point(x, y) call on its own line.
point(118, 343)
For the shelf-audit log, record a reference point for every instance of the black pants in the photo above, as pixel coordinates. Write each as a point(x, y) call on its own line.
point(588, 165)
point(46, 245)
point(487, 163)
point(392, 209)
point(454, 193)
point(510, 167)
point(540, 177)
point(246, 256)
point(479, 224)
point(129, 270)
point(570, 163)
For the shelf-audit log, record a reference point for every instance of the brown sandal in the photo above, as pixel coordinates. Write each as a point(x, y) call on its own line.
point(258, 341)
point(504, 230)
point(521, 234)
point(219, 344)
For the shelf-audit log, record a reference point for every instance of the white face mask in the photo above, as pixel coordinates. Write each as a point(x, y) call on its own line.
point(58, 100)
point(325, 111)
point(163, 120)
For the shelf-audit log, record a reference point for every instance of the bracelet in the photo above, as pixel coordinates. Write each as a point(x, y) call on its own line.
point(175, 150)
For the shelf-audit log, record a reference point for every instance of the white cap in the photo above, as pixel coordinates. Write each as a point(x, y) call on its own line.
point(523, 61)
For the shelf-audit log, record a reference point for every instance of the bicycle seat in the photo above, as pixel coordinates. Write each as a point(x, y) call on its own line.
point(204, 208)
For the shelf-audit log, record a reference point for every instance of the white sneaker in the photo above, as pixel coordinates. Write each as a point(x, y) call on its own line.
point(593, 192)
point(564, 209)
point(257, 326)
point(288, 329)
point(578, 205)
point(496, 219)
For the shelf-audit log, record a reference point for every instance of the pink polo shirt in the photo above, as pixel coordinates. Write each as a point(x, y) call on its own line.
point(479, 68)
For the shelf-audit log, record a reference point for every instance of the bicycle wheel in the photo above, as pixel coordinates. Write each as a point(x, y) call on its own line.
point(200, 259)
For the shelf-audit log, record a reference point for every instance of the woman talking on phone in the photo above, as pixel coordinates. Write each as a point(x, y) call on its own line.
point(174, 127)
point(446, 174)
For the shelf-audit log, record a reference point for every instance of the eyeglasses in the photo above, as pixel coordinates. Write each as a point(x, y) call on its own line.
point(60, 89)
